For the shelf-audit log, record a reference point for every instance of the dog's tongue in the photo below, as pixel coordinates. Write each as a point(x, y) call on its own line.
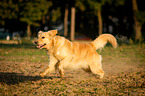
point(39, 47)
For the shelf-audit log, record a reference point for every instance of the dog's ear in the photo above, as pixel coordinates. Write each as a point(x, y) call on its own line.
point(40, 32)
point(53, 32)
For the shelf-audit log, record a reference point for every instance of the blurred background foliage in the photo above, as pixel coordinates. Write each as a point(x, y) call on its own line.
point(93, 17)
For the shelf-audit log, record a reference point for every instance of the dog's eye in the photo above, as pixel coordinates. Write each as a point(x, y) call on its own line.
point(43, 37)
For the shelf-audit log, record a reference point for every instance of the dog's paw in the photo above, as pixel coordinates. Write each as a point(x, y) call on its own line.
point(101, 76)
point(41, 74)
point(61, 75)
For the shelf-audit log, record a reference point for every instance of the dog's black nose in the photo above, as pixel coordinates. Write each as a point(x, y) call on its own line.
point(35, 42)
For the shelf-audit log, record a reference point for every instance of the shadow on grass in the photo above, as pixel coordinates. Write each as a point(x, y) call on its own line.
point(15, 78)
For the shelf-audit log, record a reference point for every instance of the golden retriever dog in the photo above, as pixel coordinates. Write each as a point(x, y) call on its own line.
point(64, 53)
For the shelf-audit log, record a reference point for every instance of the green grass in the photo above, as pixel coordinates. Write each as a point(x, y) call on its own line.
point(20, 53)
point(125, 51)
point(29, 51)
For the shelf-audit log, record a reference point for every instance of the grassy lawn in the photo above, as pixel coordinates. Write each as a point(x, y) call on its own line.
point(21, 64)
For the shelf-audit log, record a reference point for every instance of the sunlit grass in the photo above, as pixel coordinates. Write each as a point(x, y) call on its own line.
point(20, 53)
point(32, 54)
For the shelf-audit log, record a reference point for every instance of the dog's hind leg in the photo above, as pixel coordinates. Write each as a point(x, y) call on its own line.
point(98, 71)
point(96, 66)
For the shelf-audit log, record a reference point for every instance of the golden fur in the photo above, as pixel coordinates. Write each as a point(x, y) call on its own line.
point(64, 53)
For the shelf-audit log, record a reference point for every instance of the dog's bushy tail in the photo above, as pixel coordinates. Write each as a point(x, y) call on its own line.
point(103, 39)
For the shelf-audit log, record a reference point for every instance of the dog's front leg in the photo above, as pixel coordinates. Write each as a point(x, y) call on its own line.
point(51, 66)
point(61, 71)
point(61, 64)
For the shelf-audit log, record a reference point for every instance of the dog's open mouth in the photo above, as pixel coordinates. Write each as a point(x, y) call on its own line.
point(40, 46)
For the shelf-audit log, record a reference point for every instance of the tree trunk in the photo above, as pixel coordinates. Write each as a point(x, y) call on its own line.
point(72, 35)
point(28, 31)
point(43, 19)
point(48, 23)
point(65, 21)
point(137, 25)
point(100, 22)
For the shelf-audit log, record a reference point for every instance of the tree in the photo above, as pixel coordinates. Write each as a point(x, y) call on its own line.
point(80, 4)
point(72, 35)
point(32, 11)
point(96, 7)
point(139, 19)
point(73, 4)
point(66, 20)
point(56, 13)
point(8, 10)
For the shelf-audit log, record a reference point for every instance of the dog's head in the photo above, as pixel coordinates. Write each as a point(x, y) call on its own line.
point(45, 39)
